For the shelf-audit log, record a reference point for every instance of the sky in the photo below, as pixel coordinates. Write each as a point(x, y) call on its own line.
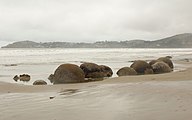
point(92, 20)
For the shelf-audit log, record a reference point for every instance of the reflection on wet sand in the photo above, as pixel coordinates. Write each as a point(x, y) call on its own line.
point(157, 100)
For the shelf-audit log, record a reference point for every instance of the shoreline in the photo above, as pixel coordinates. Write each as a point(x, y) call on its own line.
point(143, 97)
point(180, 75)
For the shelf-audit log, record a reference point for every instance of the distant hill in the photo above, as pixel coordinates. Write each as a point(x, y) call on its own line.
point(177, 41)
point(23, 44)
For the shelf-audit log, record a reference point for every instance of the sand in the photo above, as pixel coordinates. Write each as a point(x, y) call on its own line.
point(145, 97)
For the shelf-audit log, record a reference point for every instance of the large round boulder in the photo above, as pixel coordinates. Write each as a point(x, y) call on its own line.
point(161, 67)
point(68, 73)
point(39, 82)
point(125, 71)
point(93, 70)
point(90, 68)
point(140, 66)
point(106, 70)
point(166, 60)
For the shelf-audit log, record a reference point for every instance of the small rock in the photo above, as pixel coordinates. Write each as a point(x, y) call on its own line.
point(51, 97)
point(24, 77)
point(39, 82)
point(16, 78)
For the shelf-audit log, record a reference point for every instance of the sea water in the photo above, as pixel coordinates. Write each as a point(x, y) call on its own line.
point(40, 63)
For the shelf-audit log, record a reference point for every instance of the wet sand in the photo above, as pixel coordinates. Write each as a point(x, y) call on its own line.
point(146, 97)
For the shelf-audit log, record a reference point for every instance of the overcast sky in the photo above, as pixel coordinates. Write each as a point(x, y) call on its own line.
point(92, 20)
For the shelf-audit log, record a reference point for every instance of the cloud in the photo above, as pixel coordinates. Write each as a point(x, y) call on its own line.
point(88, 21)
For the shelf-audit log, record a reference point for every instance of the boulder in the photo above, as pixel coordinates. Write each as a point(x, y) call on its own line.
point(125, 71)
point(96, 75)
point(106, 70)
point(153, 62)
point(24, 77)
point(68, 73)
point(169, 57)
point(161, 67)
point(166, 60)
point(51, 78)
point(16, 78)
point(39, 82)
point(90, 67)
point(93, 70)
point(140, 66)
point(148, 71)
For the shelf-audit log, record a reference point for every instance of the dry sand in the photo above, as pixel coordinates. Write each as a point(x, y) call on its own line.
point(146, 97)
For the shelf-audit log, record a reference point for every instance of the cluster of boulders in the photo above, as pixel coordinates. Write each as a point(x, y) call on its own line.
point(71, 73)
point(23, 77)
point(141, 67)
point(27, 77)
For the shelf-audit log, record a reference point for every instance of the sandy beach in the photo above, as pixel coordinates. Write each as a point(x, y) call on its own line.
point(95, 60)
point(144, 97)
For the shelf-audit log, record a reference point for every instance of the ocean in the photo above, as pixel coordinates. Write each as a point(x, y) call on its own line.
point(40, 63)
